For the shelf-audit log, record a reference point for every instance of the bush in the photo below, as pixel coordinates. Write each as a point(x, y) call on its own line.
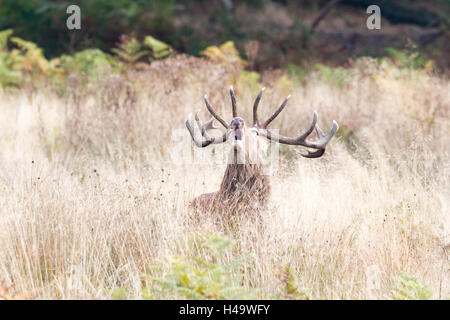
point(91, 62)
point(210, 271)
point(43, 21)
point(130, 50)
point(407, 59)
point(25, 59)
point(409, 288)
point(225, 54)
point(9, 74)
point(249, 80)
point(297, 74)
point(289, 288)
point(338, 77)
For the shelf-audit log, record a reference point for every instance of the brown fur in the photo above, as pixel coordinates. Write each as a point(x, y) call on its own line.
point(244, 184)
point(243, 187)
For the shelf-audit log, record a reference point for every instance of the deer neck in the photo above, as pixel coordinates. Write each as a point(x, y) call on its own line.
point(244, 182)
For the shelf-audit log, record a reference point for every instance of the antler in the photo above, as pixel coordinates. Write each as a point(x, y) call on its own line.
point(233, 106)
point(206, 140)
point(214, 114)
point(272, 117)
point(203, 129)
point(319, 144)
point(233, 102)
point(209, 124)
point(276, 113)
point(255, 108)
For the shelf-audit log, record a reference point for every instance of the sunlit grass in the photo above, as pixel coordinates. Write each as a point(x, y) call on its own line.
point(90, 199)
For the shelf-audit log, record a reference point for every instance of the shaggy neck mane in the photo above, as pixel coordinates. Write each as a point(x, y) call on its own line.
point(244, 184)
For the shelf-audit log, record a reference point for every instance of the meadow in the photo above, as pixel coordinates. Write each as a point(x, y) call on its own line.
point(93, 206)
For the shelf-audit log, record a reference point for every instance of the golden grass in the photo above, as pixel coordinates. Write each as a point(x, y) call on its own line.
point(89, 195)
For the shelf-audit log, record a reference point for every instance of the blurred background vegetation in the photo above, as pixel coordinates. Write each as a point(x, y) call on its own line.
point(286, 31)
point(247, 36)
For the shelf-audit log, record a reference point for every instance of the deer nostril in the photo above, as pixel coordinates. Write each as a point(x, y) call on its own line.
point(237, 123)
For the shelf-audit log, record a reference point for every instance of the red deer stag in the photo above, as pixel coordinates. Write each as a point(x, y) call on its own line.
point(244, 182)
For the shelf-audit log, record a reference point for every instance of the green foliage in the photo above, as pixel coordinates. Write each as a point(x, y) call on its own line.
point(409, 288)
point(130, 50)
point(43, 21)
point(91, 62)
point(4, 35)
point(37, 21)
point(32, 56)
point(284, 85)
point(289, 288)
point(203, 275)
point(161, 20)
point(225, 54)
point(158, 49)
point(249, 80)
point(338, 77)
point(9, 75)
point(119, 294)
point(208, 270)
point(297, 74)
point(27, 59)
point(406, 58)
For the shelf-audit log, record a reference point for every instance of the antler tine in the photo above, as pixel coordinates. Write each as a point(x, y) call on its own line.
point(323, 140)
point(214, 114)
point(200, 126)
point(208, 125)
point(319, 144)
point(199, 143)
point(255, 107)
point(311, 127)
point(203, 128)
point(233, 102)
point(276, 113)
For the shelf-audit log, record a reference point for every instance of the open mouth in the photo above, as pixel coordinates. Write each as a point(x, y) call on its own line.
point(237, 135)
point(237, 138)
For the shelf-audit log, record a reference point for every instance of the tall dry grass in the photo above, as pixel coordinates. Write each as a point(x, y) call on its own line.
point(90, 197)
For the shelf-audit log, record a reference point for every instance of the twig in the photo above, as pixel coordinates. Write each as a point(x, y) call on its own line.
point(323, 13)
